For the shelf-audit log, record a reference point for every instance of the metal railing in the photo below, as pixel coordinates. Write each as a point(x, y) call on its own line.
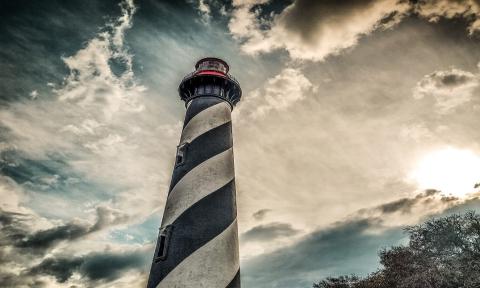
point(229, 76)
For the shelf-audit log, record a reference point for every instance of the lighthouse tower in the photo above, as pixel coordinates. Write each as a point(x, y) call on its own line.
point(197, 244)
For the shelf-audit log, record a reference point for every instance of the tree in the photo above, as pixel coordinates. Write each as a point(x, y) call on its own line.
point(340, 282)
point(442, 253)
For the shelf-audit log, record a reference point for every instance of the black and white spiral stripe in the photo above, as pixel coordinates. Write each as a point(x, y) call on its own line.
point(200, 213)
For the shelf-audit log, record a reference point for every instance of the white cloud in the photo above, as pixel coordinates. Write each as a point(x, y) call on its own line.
point(34, 94)
point(244, 23)
point(417, 132)
point(12, 195)
point(204, 9)
point(278, 93)
point(92, 84)
point(449, 88)
point(101, 126)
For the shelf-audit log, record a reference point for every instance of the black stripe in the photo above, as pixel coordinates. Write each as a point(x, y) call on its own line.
point(198, 105)
point(195, 227)
point(235, 283)
point(202, 148)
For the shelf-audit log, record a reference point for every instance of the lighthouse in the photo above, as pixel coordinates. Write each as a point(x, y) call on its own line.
point(197, 244)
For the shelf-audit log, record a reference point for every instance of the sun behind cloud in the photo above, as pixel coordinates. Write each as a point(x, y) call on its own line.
point(451, 170)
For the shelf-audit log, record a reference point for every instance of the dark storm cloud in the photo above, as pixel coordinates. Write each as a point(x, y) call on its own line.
point(405, 205)
point(16, 234)
point(307, 17)
point(322, 253)
point(472, 204)
point(9, 218)
point(19, 244)
point(304, 12)
point(433, 10)
point(453, 79)
point(42, 240)
point(260, 214)
point(21, 169)
point(93, 267)
point(346, 247)
point(313, 30)
point(269, 232)
point(60, 268)
point(12, 280)
point(12, 229)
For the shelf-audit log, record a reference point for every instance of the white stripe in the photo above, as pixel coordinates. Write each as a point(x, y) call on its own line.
point(213, 265)
point(206, 120)
point(207, 177)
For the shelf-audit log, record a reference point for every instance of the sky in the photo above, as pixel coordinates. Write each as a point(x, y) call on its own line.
point(357, 119)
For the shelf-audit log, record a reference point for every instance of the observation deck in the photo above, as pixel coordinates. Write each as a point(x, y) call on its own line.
point(210, 78)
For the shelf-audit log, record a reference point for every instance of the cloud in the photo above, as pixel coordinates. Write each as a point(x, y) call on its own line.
point(321, 253)
point(278, 93)
point(449, 88)
point(310, 29)
point(12, 195)
point(107, 216)
point(12, 228)
point(17, 234)
point(42, 240)
point(348, 246)
point(409, 210)
point(88, 146)
point(34, 94)
point(20, 247)
point(91, 267)
point(94, 82)
point(96, 123)
point(260, 214)
point(269, 232)
point(61, 269)
point(314, 30)
point(433, 10)
point(204, 10)
point(311, 166)
point(405, 205)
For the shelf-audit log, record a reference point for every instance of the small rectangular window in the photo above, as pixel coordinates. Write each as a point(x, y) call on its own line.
point(181, 153)
point(163, 240)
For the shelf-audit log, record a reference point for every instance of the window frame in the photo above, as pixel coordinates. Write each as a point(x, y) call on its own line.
point(164, 235)
point(182, 152)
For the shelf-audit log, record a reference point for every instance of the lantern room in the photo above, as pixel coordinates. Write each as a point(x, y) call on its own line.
point(210, 79)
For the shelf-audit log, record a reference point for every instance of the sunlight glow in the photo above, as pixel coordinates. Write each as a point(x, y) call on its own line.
point(450, 170)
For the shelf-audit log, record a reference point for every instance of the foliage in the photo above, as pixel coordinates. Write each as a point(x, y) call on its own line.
point(442, 253)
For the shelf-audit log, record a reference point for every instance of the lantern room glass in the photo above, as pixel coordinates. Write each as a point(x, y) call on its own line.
point(212, 65)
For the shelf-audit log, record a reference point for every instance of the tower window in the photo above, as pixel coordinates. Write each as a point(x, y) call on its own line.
point(181, 153)
point(163, 239)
